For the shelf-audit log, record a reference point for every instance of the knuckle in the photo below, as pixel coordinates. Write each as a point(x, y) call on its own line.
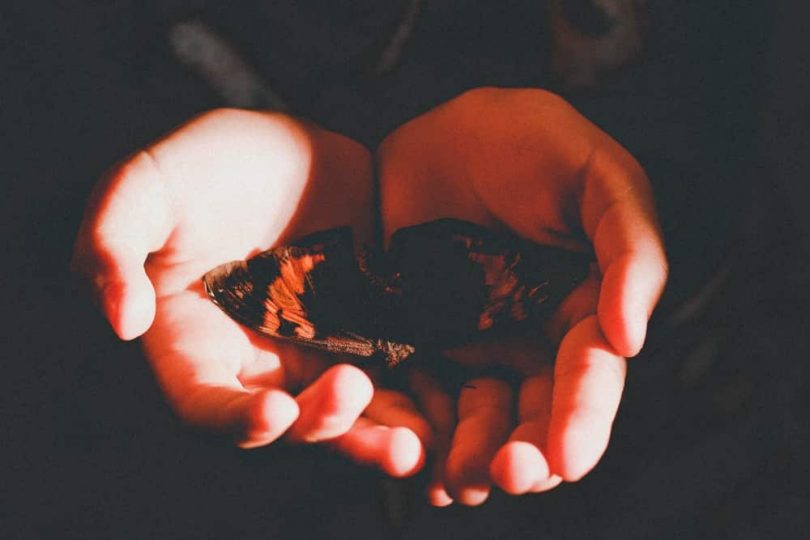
point(233, 120)
point(497, 96)
point(222, 114)
point(481, 93)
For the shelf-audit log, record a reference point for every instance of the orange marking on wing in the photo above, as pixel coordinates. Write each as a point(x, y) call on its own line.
point(506, 293)
point(271, 323)
point(283, 295)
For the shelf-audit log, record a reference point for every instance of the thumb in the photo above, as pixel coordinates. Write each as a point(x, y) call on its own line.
point(127, 299)
point(127, 218)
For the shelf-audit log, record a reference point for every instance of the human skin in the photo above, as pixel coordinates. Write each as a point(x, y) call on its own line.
point(528, 161)
point(230, 183)
point(223, 186)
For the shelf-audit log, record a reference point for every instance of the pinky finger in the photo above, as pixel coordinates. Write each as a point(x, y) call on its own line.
point(268, 415)
point(253, 418)
point(395, 450)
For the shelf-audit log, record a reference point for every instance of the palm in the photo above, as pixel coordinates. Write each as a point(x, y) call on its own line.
point(232, 183)
point(252, 182)
point(526, 161)
point(222, 187)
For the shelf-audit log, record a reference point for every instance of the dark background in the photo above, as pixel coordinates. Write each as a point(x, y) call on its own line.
point(712, 437)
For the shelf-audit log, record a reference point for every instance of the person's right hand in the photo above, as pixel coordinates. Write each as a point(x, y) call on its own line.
point(225, 186)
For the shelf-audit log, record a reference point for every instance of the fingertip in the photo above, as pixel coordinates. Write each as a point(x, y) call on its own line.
point(573, 453)
point(349, 386)
point(331, 405)
point(619, 325)
point(395, 451)
point(631, 288)
point(405, 454)
point(518, 467)
point(437, 495)
point(546, 484)
point(268, 415)
point(466, 484)
point(129, 307)
point(588, 384)
point(473, 495)
point(626, 334)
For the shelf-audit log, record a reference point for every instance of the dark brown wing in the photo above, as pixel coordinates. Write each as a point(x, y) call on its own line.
point(459, 278)
point(307, 292)
point(441, 284)
point(275, 291)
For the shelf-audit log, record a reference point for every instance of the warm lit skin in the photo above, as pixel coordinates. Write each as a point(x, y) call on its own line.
point(231, 183)
point(526, 160)
point(224, 186)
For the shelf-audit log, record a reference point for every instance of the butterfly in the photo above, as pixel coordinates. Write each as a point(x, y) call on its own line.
point(304, 292)
point(440, 284)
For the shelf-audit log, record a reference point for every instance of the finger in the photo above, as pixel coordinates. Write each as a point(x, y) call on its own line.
point(619, 216)
point(395, 409)
point(253, 418)
point(198, 371)
point(588, 382)
point(332, 404)
point(197, 353)
point(485, 419)
point(396, 450)
point(214, 400)
point(547, 484)
point(520, 466)
point(128, 217)
point(281, 363)
point(438, 406)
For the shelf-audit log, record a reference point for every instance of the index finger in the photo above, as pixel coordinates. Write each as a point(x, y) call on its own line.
point(217, 378)
point(618, 215)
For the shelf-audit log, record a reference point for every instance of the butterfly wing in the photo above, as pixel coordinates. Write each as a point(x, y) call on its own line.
point(306, 292)
point(285, 291)
point(446, 282)
point(459, 278)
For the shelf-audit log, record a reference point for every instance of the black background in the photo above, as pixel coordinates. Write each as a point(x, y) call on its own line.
point(712, 436)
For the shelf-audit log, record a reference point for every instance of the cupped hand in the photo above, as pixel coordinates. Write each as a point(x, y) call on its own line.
point(528, 161)
point(222, 187)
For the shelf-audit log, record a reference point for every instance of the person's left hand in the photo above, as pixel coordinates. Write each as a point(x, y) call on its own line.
point(527, 161)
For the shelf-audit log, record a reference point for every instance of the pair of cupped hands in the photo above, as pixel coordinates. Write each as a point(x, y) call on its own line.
point(231, 183)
